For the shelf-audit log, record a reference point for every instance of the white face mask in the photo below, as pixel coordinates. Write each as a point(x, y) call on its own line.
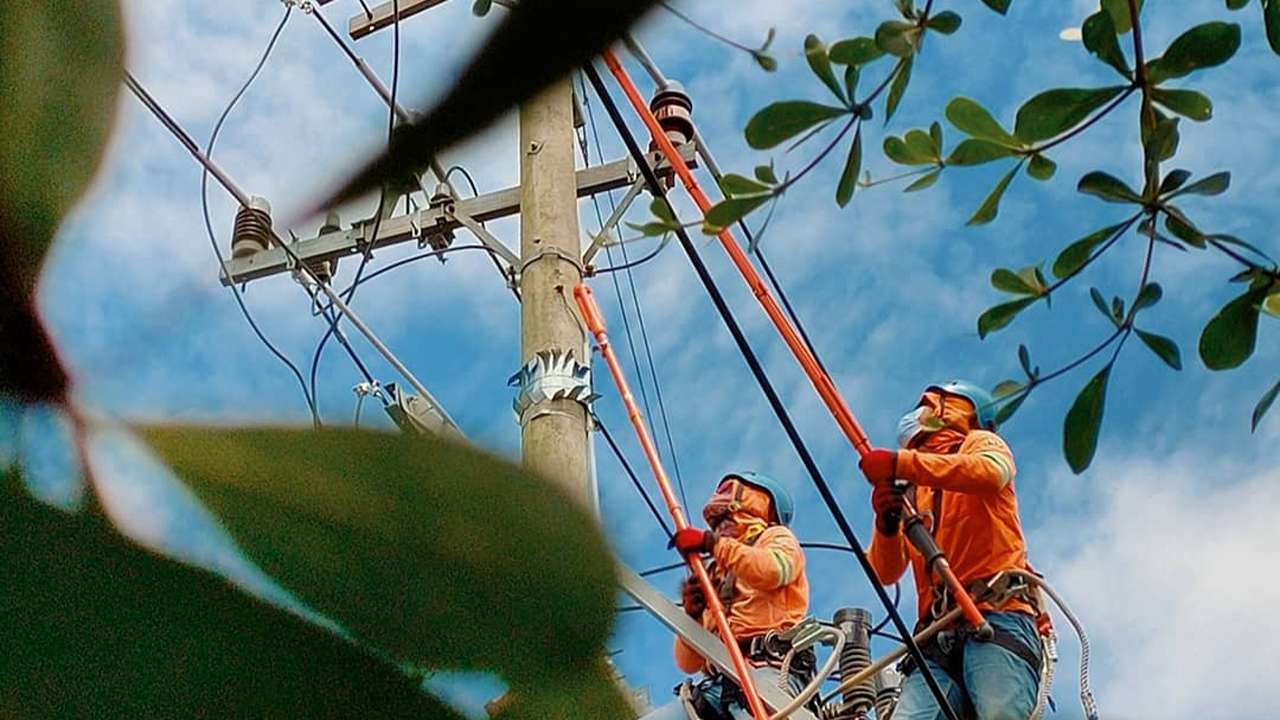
point(911, 426)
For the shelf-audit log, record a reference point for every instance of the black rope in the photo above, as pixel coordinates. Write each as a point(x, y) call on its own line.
point(784, 418)
point(657, 515)
point(204, 196)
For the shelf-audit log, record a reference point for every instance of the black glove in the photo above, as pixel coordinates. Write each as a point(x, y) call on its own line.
point(695, 601)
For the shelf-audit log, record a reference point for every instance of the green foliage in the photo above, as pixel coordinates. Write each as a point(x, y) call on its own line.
point(1271, 18)
point(1203, 46)
point(1001, 315)
point(815, 52)
point(1119, 12)
point(977, 152)
point(1041, 167)
point(990, 207)
point(923, 182)
point(1264, 404)
point(1054, 112)
point(438, 554)
point(665, 219)
point(1083, 422)
point(852, 167)
point(917, 147)
point(1000, 6)
point(1187, 103)
point(1108, 187)
point(781, 121)
point(969, 117)
point(761, 54)
point(1075, 255)
point(1230, 337)
point(1215, 184)
point(855, 51)
point(945, 22)
point(898, 38)
point(480, 8)
point(1163, 347)
point(1099, 36)
point(898, 88)
point(97, 626)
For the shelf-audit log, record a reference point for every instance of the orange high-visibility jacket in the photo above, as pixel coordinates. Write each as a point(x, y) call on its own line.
point(771, 591)
point(969, 495)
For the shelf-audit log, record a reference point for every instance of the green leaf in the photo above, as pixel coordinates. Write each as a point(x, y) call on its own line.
point(727, 212)
point(1008, 387)
point(1149, 295)
point(1007, 409)
point(650, 229)
point(1041, 167)
point(921, 143)
point(1084, 420)
point(1119, 12)
point(780, 121)
point(1174, 180)
point(437, 553)
point(991, 206)
point(1271, 17)
point(924, 181)
point(900, 151)
point(1215, 184)
point(1099, 36)
point(766, 175)
point(1163, 347)
point(99, 627)
point(945, 22)
point(1161, 143)
point(898, 89)
point(1264, 404)
point(480, 8)
point(1074, 256)
point(1053, 112)
point(735, 185)
point(1233, 240)
point(1024, 359)
point(1271, 305)
point(1187, 103)
point(766, 61)
point(1001, 315)
point(1000, 6)
point(852, 167)
point(1230, 337)
point(935, 133)
point(1203, 46)
point(855, 51)
point(1108, 187)
point(1182, 227)
point(815, 52)
point(662, 210)
point(972, 119)
point(1008, 281)
point(897, 38)
point(851, 75)
point(60, 70)
point(977, 152)
point(1100, 303)
point(1236, 4)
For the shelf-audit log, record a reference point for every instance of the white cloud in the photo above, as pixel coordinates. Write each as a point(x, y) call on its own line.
point(1173, 575)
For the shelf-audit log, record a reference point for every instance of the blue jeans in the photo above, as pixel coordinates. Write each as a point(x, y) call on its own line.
point(711, 689)
point(998, 685)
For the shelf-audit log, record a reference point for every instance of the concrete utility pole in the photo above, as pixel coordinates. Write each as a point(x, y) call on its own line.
point(554, 432)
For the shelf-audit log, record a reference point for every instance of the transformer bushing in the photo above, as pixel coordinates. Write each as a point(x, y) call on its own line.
point(550, 376)
point(888, 690)
point(855, 623)
point(673, 109)
point(252, 230)
point(324, 270)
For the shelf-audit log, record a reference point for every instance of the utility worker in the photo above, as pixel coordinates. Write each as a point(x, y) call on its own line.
point(759, 571)
point(959, 475)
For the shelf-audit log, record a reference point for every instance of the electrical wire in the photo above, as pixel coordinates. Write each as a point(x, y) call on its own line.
point(771, 395)
point(204, 199)
point(627, 265)
point(465, 174)
point(632, 474)
point(367, 253)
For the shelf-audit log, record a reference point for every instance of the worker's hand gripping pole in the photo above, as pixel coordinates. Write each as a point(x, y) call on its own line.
point(822, 382)
point(595, 323)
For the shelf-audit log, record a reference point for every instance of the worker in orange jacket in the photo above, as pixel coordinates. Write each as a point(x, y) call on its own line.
point(959, 475)
point(758, 568)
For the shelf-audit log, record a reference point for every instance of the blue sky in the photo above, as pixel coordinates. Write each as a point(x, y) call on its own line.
point(1160, 541)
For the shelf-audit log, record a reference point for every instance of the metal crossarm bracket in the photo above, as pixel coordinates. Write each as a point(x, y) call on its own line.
point(482, 234)
point(399, 229)
point(699, 638)
point(602, 238)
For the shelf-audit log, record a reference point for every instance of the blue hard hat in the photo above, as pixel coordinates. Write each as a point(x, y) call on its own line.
point(783, 505)
point(984, 403)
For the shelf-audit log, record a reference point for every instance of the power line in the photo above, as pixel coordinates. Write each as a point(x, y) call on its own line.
point(771, 395)
point(635, 298)
point(204, 195)
point(367, 254)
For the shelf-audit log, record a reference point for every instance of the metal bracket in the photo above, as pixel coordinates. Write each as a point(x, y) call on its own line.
point(550, 376)
point(482, 234)
point(602, 238)
point(699, 638)
point(550, 252)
